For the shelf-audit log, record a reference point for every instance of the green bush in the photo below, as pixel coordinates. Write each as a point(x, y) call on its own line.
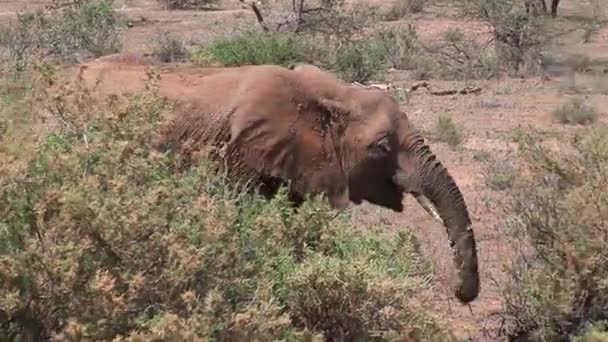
point(92, 28)
point(401, 45)
point(252, 48)
point(575, 112)
point(354, 60)
point(447, 131)
point(558, 286)
point(360, 60)
point(100, 239)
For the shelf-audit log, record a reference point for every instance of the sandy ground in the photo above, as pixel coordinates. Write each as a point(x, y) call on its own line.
point(487, 119)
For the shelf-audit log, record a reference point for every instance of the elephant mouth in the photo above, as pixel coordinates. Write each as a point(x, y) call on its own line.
point(395, 197)
point(422, 200)
point(383, 192)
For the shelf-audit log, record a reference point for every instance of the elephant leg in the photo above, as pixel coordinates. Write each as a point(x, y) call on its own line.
point(269, 186)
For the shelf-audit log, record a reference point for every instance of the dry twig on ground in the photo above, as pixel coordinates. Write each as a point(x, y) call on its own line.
point(425, 84)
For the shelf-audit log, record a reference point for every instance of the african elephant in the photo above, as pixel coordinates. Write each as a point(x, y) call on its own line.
point(554, 4)
point(303, 125)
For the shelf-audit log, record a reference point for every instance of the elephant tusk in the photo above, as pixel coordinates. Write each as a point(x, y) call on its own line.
point(428, 206)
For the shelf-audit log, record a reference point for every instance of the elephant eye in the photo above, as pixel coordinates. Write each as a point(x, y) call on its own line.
point(383, 145)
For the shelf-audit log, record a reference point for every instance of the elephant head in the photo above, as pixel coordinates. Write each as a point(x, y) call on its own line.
point(385, 157)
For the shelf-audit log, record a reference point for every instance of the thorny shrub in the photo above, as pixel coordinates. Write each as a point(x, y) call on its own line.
point(100, 239)
point(402, 48)
point(575, 111)
point(458, 57)
point(170, 48)
point(332, 19)
point(92, 28)
point(328, 28)
point(558, 286)
point(518, 38)
point(326, 33)
point(361, 60)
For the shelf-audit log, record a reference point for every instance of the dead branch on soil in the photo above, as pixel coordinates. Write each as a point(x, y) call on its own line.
point(425, 84)
point(464, 91)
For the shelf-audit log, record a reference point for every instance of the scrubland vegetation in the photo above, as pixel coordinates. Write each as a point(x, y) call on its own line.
point(558, 282)
point(100, 237)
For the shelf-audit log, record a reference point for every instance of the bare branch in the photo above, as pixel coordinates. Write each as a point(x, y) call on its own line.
point(258, 14)
point(424, 84)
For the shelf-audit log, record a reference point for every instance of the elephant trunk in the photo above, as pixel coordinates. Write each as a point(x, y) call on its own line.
point(430, 180)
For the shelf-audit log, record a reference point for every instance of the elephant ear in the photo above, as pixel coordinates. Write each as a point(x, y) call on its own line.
point(300, 143)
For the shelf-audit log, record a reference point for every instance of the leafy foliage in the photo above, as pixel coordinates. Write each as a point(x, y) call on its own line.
point(253, 48)
point(357, 60)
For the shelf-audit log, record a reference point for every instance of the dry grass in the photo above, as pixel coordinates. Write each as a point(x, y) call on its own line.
point(500, 174)
point(575, 112)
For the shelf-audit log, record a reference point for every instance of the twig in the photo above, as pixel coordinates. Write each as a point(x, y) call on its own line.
point(424, 84)
point(464, 91)
point(418, 85)
point(258, 14)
